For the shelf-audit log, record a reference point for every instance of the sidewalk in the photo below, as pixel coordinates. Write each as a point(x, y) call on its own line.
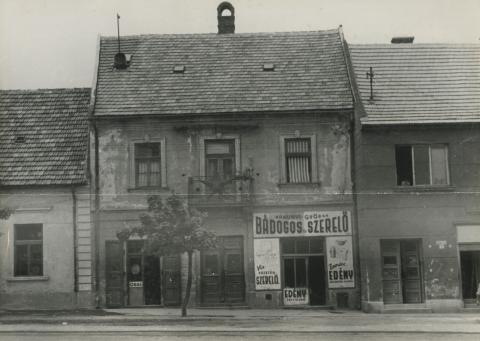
point(246, 320)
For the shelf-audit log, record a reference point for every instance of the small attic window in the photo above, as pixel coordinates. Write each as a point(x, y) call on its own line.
point(19, 139)
point(268, 67)
point(179, 69)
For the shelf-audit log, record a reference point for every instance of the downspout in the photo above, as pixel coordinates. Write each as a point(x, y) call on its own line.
point(353, 155)
point(75, 246)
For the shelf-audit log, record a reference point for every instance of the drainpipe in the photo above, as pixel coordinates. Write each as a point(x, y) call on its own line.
point(75, 247)
point(96, 216)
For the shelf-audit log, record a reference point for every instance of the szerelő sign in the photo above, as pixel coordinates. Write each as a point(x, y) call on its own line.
point(267, 264)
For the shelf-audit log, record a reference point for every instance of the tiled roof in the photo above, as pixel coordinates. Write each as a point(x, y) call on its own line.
point(53, 125)
point(419, 83)
point(223, 73)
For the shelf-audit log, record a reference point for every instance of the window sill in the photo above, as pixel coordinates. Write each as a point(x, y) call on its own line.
point(148, 189)
point(27, 279)
point(446, 188)
point(298, 184)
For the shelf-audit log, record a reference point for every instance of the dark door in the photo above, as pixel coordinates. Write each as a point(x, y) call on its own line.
point(470, 266)
point(316, 280)
point(171, 280)
point(234, 281)
point(411, 274)
point(114, 274)
point(211, 280)
point(151, 280)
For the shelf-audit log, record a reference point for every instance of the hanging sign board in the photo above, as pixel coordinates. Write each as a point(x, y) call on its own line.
point(322, 223)
point(340, 262)
point(267, 264)
point(295, 296)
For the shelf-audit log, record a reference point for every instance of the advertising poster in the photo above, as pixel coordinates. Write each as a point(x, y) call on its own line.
point(340, 272)
point(326, 223)
point(295, 296)
point(267, 264)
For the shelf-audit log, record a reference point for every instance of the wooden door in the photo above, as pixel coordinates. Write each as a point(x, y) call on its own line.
point(391, 272)
point(171, 280)
point(114, 274)
point(411, 272)
point(234, 280)
point(211, 277)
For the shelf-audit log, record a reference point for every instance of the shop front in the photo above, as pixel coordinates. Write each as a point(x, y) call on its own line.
point(468, 237)
point(307, 258)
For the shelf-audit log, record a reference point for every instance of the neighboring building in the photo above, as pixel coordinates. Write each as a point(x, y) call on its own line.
point(417, 175)
point(253, 128)
point(45, 245)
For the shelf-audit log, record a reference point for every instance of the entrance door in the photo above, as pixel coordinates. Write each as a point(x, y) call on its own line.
point(401, 271)
point(114, 274)
point(171, 280)
point(470, 265)
point(222, 272)
point(316, 280)
point(151, 280)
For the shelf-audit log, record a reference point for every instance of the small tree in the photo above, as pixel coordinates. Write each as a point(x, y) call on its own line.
point(171, 227)
point(4, 214)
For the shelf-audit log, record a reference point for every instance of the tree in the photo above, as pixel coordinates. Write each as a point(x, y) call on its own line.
point(172, 227)
point(5, 214)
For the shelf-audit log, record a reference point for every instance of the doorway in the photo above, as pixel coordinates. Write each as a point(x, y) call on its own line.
point(304, 267)
point(401, 271)
point(470, 267)
point(223, 273)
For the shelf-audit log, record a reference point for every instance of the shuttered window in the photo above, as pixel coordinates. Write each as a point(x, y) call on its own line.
point(298, 158)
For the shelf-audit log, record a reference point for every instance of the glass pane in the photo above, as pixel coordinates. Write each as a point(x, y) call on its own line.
point(227, 168)
point(155, 173)
point(302, 246)
point(212, 167)
point(211, 265)
point(289, 272)
point(28, 232)
point(300, 273)
point(21, 260)
point(36, 260)
point(403, 159)
point(421, 164)
point(147, 150)
point(142, 168)
point(439, 165)
point(288, 246)
point(316, 245)
point(134, 270)
point(298, 169)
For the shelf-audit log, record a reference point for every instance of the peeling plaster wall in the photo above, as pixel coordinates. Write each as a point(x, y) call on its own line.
point(386, 212)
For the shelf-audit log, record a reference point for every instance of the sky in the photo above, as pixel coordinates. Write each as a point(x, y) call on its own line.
point(53, 43)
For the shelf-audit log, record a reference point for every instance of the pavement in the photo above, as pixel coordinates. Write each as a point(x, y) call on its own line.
point(236, 320)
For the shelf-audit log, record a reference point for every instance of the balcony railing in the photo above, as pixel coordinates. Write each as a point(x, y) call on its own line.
point(212, 191)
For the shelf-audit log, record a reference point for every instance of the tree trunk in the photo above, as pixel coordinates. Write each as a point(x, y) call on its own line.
point(189, 285)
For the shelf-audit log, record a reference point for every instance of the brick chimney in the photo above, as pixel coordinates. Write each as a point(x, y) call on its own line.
point(226, 18)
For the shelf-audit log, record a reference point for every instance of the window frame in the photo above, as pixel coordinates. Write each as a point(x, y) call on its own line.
point(133, 163)
point(28, 243)
point(202, 151)
point(430, 173)
point(313, 159)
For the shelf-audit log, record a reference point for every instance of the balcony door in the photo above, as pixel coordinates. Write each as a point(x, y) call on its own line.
point(220, 159)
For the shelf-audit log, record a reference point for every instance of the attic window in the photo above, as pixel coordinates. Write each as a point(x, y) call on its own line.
point(179, 69)
point(19, 139)
point(268, 67)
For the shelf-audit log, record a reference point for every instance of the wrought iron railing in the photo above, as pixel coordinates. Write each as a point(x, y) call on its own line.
point(208, 191)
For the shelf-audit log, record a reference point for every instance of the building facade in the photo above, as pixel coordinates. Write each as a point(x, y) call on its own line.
point(252, 129)
point(416, 173)
point(46, 256)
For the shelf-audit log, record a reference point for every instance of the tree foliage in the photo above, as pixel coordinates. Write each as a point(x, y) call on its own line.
point(172, 227)
point(5, 213)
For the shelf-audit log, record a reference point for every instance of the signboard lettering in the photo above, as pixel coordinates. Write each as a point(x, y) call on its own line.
point(295, 296)
point(267, 264)
point(340, 262)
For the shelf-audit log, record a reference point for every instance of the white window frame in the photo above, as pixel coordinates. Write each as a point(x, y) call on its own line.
point(234, 137)
point(283, 160)
point(163, 163)
point(447, 163)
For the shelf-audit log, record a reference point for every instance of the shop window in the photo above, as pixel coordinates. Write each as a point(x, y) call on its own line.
point(28, 251)
point(292, 246)
point(421, 165)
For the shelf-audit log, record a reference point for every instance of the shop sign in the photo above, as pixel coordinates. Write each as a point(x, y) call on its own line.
point(326, 223)
point(267, 264)
point(340, 272)
point(295, 296)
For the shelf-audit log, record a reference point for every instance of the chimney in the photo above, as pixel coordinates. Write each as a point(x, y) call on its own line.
point(402, 40)
point(226, 18)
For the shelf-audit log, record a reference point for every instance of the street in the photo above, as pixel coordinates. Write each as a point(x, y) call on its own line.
point(225, 335)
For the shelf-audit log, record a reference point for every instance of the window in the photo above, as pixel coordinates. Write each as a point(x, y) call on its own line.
point(298, 158)
point(147, 165)
point(422, 165)
point(28, 253)
point(220, 158)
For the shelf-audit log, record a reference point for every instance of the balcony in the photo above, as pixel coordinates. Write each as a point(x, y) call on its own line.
point(216, 191)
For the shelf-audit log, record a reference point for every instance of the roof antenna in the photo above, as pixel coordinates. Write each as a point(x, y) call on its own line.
point(120, 60)
point(370, 76)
